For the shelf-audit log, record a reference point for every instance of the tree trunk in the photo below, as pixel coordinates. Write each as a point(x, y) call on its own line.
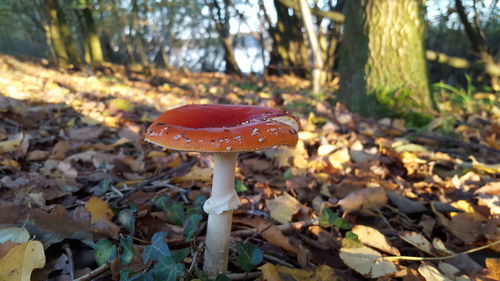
point(54, 35)
point(91, 38)
point(139, 38)
point(66, 35)
point(289, 53)
point(382, 60)
point(317, 69)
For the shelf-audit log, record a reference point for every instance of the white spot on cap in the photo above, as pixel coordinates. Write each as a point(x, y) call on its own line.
point(178, 137)
point(261, 139)
point(237, 138)
point(255, 131)
point(228, 148)
point(187, 140)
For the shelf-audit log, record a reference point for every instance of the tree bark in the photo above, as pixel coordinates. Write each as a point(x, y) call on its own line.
point(221, 19)
point(54, 36)
point(382, 58)
point(91, 38)
point(289, 53)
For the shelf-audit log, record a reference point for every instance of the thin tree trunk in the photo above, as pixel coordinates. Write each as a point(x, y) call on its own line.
point(91, 38)
point(54, 35)
point(383, 65)
point(317, 69)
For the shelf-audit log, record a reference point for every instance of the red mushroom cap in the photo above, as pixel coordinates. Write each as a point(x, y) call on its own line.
point(223, 128)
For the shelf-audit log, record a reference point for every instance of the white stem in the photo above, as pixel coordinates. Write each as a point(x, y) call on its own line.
point(219, 207)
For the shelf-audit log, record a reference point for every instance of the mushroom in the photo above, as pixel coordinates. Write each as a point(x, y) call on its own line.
point(224, 130)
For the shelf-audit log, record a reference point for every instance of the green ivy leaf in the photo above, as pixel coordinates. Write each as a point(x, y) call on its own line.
point(288, 174)
point(341, 223)
point(102, 188)
point(174, 211)
point(127, 250)
point(327, 218)
point(166, 269)
point(239, 186)
point(222, 277)
point(191, 225)
point(158, 248)
point(105, 251)
point(248, 255)
point(199, 201)
point(162, 203)
point(181, 254)
point(126, 217)
point(351, 235)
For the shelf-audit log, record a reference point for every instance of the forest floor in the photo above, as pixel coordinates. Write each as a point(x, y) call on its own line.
point(81, 192)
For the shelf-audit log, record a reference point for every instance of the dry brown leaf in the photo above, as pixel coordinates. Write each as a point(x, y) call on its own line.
point(465, 227)
point(430, 273)
point(272, 233)
point(417, 240)
point(372, 237)
point(99, 210)
point(364, 199)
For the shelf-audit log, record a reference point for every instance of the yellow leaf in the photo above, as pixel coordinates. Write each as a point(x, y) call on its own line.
point(283, 208)
point(11, 145)
point(486, 168)
point(469, 209)
point(196, 174)
point(272, 272)
point(99, 210)
point(20, 261)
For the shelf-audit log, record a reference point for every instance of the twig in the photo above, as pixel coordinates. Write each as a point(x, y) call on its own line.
point(410, 258)
point(243, 276)
point(196, 254)
point(277, 260)
point(94, 273)
point(168, 173)
point(258, 232)
point(282, 227)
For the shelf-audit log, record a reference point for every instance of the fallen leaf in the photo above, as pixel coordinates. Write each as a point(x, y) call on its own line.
point(364, 199)
point(430, 273)
point(283, 207)
point(406, 205)
point(271, 272)
point(340, 160)
point(493, 169)
point(195, 174)
point(14, 234)
point(20, 261)
point(86, 133)
point(272, 233)
point(373, 238)
point(11, 144)
point(367, 262)
point(493, 267)
point(417, 240)
point(465, 227)
point(99, 210)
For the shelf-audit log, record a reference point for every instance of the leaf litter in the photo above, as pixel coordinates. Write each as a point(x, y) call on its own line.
point(357, 198)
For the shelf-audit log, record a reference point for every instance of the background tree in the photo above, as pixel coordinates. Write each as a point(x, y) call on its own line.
point(382, 59)
point(221, 14)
